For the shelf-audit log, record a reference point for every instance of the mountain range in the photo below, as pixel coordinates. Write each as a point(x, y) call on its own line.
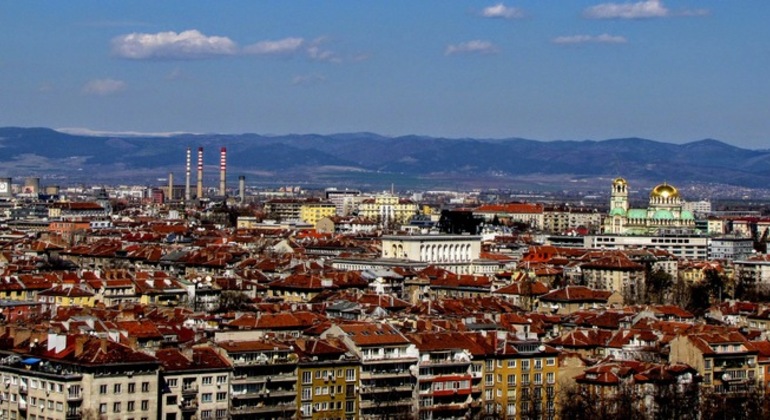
point(371, 160)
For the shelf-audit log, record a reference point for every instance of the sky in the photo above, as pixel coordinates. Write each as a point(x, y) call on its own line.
point(674, 71)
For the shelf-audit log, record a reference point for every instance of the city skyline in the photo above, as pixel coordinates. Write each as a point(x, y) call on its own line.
point(665, 70)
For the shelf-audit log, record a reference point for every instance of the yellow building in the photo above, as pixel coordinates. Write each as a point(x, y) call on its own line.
point(327, 379)
point(388, 210)
point(313, 212)
point(520, 380)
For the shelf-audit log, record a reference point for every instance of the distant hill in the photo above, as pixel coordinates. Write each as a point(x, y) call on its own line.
point(366, 159)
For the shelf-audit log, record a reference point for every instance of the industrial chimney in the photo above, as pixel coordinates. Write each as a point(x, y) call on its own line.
point(242, 188)
point(200, 173)
point(187, 179)
point(223, 171)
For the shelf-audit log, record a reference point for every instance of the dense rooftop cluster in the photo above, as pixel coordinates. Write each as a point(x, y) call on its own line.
point(173, 312)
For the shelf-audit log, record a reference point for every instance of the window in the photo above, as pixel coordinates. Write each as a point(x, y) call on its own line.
point(307, 377)
point(511, 380)
point(103, 389)
point(131, 388)
point(208, 380)
point(538, 364)
point(221, 396)
point(145, 387)
point(206, 414)
point(130, 406)
point(549, 377)
point(707, 364)
point(172, 383)
point(221, 379)
point(306, 393)
point(512, 363)
point(538, 378)
point(350, 374)
point(171, 400)
point(103, 408)
point(116, 407)
point(221, 413)
point(489, 379)
point(145, 405)
point(206, 397)
point(350, 406)
point(116, 388)
point(525, 365)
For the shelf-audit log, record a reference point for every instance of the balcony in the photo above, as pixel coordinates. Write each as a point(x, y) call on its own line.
point(262, 409)
point(188, 406)
point(74, 396)
point(188, 389)
point(386, 374)
point(376, 389)
point(73, 415)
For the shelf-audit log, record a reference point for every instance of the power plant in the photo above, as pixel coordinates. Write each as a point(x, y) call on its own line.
point(200, 173)
point(187, 179)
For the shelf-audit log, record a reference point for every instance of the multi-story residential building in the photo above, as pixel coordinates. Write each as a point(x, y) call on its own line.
point(196, 384)
point(724, 358)
point(313, 212)
point(388, 368)
point(345, 201)
point(616, 273)
point(328, 375)
point(521, 379)
point(559, 219)
point(77, 377)
point(754, 273)
point(531, 214)
point(445, 382)
point(388, 210)
point(264, 382)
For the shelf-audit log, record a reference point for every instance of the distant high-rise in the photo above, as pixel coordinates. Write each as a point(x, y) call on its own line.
point(223, 172)
point(242, 188)
point(187, 178)
point(200, 173)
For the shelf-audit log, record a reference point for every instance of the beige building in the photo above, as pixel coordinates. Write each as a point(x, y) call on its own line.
point(388, 210)
point(456, 253)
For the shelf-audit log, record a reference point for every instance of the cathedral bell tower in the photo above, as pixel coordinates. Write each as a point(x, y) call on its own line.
point(619, 196)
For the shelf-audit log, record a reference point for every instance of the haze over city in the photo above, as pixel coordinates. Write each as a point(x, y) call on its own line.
point(674, 71)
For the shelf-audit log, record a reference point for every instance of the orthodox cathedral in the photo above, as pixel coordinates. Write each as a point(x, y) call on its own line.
point(663, 214)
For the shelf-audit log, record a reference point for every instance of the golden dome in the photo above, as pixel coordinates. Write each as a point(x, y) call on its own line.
point(664, 191)
point(619, 181)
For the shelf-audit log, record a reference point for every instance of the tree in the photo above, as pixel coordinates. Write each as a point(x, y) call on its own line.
point(233, 300)
point(659, 284)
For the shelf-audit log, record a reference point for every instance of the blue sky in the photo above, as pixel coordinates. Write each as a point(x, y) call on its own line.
point(667, 70)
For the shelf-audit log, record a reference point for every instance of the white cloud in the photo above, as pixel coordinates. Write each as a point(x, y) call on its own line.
point(471, 47)
point(190, 44)
point(310, 79)
point(103, 87)
point(639, 10)
point(316, 52)
point(588, 39)
point(275, 47)
point(502, 11)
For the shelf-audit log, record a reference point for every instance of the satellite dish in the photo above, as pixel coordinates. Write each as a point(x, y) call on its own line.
point(541, 348)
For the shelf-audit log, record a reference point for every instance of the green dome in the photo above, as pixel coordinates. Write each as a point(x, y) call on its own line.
point(637, 214)
point(663, 215)
point(617, 211)
point(686, 215)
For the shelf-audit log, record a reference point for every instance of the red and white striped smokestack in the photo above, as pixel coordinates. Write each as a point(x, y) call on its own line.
point(200, 172)
point(222, 171)
point(187, 178)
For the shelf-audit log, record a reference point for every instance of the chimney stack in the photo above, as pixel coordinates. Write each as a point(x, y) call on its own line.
point(187, 179)
point(170, 187)
point(200, 173)
point(242, 188)
point(223, 171)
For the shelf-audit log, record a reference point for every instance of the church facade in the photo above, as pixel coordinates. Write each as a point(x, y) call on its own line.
point(663, 214)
